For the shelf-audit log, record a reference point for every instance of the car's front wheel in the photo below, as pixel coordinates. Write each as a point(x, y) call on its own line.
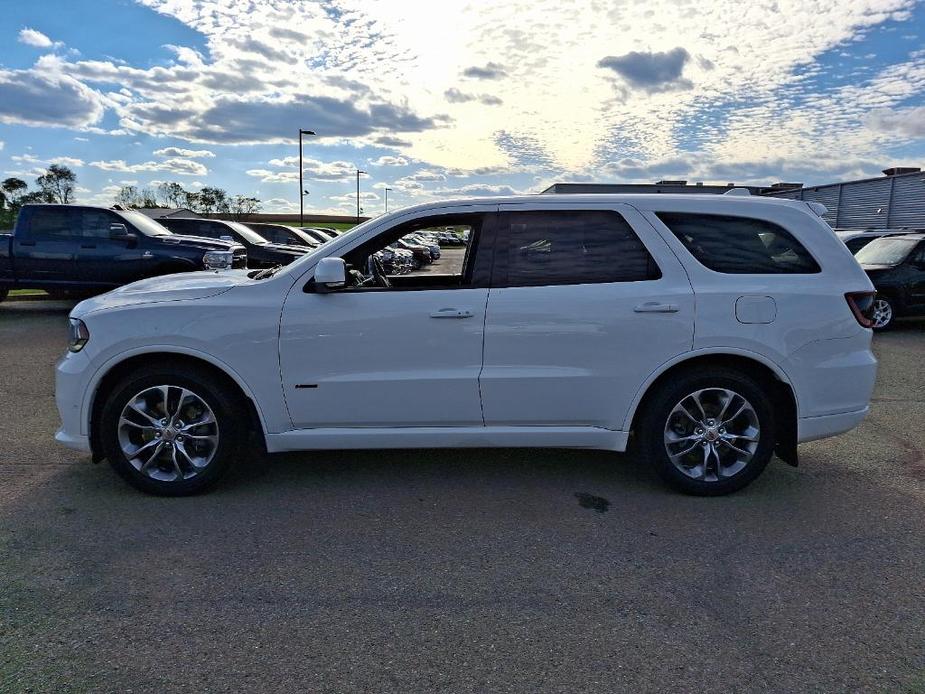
point(708, 434)
point(883, 314)
point(171, 431)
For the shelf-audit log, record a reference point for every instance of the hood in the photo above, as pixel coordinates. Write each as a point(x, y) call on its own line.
point(201, 242)
point(184, 286)
point(285, 248)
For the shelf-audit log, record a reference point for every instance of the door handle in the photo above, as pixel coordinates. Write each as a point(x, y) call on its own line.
point(452, 313)
point(88, 245)
point(27, 243)
point(655, 307)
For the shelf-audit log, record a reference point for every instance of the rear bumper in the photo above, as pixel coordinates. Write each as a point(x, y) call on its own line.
point(813, 428)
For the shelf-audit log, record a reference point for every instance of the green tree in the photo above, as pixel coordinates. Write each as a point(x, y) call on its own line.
point(171, 194)
point(58, 184)
point(212, 200)
point(14, 188)
point(128, 196)
point(243, 207)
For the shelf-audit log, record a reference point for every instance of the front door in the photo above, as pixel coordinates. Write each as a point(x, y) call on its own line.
point(407, 354)
point(584, 306)
point(102, 260)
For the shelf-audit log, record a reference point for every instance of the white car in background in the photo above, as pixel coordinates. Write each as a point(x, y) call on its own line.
point(856, 240)
point(708, 331)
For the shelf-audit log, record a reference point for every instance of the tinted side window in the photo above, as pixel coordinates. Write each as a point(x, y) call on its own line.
point(58, 222)
point(95, 223)
point(572, 247)
point(739, 245)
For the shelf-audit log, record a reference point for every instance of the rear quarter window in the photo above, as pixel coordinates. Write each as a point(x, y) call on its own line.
point(739, 245)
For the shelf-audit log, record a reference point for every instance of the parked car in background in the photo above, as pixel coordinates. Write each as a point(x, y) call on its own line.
point(67, 249)
point(260, 252)
point(856, 240)
point(896, 266)
point(320, 235)
point(280, 233)
point(716, 330)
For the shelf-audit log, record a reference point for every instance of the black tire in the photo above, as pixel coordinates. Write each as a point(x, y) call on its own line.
point(890, 306)
point(225, 402)
point(652, 425)
point(4, 292)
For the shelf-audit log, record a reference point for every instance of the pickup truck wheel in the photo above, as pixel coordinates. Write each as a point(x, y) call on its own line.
point(710, 433)
point(172, 431)
point(4, 292)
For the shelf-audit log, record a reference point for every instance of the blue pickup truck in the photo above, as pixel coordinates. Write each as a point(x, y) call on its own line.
point(76, 249)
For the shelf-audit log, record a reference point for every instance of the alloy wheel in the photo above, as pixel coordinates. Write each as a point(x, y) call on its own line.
point(712, 434)
point(168, 433)
point(883, 313)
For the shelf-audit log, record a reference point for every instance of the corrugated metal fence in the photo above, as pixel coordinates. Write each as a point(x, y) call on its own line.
point(891, 202)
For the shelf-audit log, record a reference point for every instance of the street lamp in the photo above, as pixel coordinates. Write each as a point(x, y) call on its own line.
point(387, 200)
point(302, 191)
point(358, 194)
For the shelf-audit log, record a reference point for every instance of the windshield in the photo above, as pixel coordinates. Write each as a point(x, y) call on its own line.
point(249, 234)
point(885, 251)
point(145, 224)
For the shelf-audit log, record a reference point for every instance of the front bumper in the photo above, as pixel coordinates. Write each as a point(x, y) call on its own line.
point(75, 442)
point(70, 386)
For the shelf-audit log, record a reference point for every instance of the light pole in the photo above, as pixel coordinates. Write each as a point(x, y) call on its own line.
point(387, 200)
point(301, 187)
point(358, 194)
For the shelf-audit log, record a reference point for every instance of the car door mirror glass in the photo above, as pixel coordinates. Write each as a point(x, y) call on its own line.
point(118, 231)
point(330, 274)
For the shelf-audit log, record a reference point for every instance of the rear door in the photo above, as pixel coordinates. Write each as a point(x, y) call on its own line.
point(584, 305)
point(45, 245)
point(103, 260)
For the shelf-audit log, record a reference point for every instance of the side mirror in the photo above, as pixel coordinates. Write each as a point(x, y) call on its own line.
point(330, 274)
point(118, 231)
point(226, 237)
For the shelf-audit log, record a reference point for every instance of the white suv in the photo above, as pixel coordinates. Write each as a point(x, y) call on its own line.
point(706, 332)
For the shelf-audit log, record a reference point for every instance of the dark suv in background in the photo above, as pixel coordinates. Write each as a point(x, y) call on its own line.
point(66, 249)
point(896, 266)
point(260, 252)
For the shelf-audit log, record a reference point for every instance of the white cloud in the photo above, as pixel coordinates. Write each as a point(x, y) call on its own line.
point(31, 37)
point(187, 153)
point(388, 160)
point(184, 167)
point(43, 97)
point(287, 170)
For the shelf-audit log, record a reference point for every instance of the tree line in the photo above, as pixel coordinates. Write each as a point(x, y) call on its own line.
point(58, 185)
point(207, 200)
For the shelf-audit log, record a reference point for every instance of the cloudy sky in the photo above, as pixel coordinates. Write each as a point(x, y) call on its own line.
point(457, 97)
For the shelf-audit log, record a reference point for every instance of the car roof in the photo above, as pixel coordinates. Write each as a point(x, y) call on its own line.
point(646, 201)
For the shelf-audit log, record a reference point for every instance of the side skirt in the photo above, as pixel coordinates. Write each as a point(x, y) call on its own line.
point(447, 437)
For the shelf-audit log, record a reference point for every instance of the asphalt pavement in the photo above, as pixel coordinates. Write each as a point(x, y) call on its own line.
point(460, 570)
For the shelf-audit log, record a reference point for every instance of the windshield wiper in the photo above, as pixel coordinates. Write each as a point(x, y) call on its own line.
point(266, 272)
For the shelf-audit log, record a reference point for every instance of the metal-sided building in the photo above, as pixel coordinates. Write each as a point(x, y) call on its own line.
point(894, 201)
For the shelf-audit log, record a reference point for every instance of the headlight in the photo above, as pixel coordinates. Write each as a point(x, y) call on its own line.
point(78, 334)
point(218, 260)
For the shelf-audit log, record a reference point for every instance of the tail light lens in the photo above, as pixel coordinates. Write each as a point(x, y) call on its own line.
point(862, 306)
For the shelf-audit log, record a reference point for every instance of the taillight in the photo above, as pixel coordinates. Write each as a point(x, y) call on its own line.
point(862, 306)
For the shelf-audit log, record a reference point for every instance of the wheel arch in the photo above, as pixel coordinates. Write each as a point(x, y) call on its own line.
point(112, 371)
point(750, 363)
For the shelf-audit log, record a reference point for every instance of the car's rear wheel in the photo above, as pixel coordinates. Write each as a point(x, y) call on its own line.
point(4, 292)
point(883, 313)
point(172, 431)
point(708, 433)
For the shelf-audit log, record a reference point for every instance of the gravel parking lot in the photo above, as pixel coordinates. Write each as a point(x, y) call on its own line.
point(468, 570)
